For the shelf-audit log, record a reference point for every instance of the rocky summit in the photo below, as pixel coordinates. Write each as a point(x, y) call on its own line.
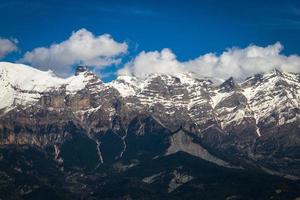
point(158, 137)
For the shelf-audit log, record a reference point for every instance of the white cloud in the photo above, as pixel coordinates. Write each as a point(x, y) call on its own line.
point(236, 62)
point(7, 46)
point(146, 63)
point(82, 47)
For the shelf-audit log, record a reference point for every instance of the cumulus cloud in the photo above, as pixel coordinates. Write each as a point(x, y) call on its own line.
point(236, 62)
point(7, 46)
point(146, 63)
point(82, 47)
point(241, 63)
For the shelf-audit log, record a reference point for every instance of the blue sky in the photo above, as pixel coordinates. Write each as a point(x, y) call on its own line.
point(188, 28)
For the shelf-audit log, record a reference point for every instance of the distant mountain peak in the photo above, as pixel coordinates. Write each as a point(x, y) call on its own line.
point(80, 69)
point(252, 80)
point(277, 71)
point(229, 85)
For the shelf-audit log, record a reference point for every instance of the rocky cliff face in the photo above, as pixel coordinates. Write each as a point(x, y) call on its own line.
point(84, 123)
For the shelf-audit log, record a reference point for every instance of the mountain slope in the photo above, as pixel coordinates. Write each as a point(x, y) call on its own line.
point(86, 126)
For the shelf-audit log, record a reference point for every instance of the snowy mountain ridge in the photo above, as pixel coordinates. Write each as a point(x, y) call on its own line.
point(200, 100)
point(22, 84)
point(256, 97)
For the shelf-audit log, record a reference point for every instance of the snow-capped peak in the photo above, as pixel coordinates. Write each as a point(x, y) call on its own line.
point(80, 69)
point(28, 78)
point(126, 85)
point(22, 84)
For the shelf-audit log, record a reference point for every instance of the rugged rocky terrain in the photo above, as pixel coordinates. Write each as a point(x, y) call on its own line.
point(161, 137)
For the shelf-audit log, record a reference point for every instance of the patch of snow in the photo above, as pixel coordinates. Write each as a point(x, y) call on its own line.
point(99, 151)
point(56, 154)
point(258, 132)
point(126, 85)
point(218, 97)
point(75, 83)
point(125, 145)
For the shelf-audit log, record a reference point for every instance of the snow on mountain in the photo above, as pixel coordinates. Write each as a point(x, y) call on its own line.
point(183, 96)
point(126, 85)
point(28, 78)
point(21, 84)
point(80, 81)
point(230, 103)
point(276, 92)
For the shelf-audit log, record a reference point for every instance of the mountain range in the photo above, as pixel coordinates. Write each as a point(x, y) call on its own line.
point(157, 137)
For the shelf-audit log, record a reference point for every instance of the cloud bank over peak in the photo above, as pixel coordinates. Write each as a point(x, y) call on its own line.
point(7, 46)
point(236, 62)
point(82, 47)
point(163, 62)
